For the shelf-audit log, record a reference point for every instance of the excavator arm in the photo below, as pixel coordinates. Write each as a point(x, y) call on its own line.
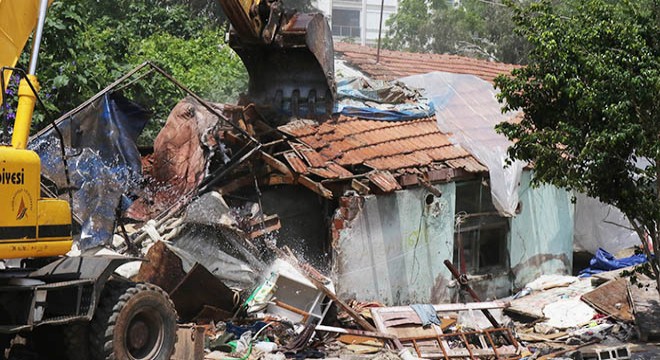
point(30, 226)
point(17, 20)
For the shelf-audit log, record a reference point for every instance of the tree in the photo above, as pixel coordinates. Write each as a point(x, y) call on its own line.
point(204, 64)
point(481, 29)
point(89, 43)
point(591, 101)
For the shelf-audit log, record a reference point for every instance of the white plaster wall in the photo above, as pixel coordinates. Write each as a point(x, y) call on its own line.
point(393, 251)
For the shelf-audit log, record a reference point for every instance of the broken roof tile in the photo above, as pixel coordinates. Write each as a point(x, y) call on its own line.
point(418, 158)
point(313, 158)
point(401, 147)
point(299, 128)
point(447, 153)
point(324, 172)
point(315, 142)
point(341, 171)
point(384, 180)
point(396, 64)
point(296, 163)
point(468, 164)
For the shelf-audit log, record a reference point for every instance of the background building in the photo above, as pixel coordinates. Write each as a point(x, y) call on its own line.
point(356, 20)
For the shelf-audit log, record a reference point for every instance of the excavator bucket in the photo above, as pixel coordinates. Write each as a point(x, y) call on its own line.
point(290, 64)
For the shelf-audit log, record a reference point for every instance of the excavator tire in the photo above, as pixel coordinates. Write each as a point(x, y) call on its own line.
point(134, 321)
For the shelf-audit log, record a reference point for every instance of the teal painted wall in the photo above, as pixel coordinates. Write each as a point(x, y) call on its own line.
point(393, 251)
point(541, 238)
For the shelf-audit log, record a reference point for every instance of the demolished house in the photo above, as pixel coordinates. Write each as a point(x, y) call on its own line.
point(238, 211)
point(376, 197)
point(437, 204)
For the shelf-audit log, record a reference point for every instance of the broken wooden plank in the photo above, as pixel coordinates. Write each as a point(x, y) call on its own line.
point(465, 286)
point(275, 164)
point(338, 330)
point(611, 299)
point(444, 322)
point(406, 324)
point(315, 187)
point(302, 180)
point(601, 278)
point(484, 305)
point(468, 344)
point(561, 352)
point(358, 186)
point(264, 225)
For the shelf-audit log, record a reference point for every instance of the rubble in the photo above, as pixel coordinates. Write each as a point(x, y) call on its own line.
point(226, 195)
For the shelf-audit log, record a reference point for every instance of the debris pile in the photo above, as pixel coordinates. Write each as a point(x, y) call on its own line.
point(606, 316)
point(210, 209)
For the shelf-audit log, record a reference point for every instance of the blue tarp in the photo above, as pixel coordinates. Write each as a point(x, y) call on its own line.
point(604, 261)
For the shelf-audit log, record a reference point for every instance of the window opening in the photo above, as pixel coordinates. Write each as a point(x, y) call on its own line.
point(480, 235)
point(346, 23)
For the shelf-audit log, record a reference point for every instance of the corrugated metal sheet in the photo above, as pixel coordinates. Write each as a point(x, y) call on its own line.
point(396, 64)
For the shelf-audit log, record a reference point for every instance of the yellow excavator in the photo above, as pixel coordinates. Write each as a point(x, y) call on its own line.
point(77, 304)
point(61, 306)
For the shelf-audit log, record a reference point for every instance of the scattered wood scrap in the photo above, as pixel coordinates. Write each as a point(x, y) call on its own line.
point(433, 341)
point(611, 299)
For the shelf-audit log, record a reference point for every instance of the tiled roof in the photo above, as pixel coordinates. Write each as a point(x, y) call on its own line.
point(396, 64)
point(397, 147)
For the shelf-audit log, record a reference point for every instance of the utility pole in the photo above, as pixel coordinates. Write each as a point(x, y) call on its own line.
point(380, 28)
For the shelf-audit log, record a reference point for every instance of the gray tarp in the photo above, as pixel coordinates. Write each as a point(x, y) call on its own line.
point(104, 161)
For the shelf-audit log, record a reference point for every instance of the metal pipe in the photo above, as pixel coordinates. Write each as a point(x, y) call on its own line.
point(36, 42)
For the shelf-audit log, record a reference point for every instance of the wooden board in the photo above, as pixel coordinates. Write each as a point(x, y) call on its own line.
point(611, 299)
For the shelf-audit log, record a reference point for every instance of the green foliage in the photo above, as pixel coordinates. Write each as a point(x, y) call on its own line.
point(89, 43)
point(474, 28)
point(591, 101)
point(204, 64)
point(407, 28)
